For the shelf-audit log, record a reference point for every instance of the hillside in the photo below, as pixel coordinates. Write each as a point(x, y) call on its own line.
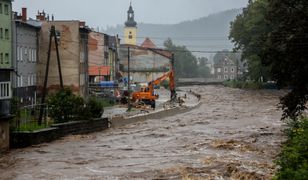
point(204, 34)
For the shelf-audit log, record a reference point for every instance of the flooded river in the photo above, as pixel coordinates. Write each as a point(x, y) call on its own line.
point(233, 134)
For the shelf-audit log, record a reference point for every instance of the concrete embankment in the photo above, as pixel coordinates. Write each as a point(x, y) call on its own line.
point(122, 120)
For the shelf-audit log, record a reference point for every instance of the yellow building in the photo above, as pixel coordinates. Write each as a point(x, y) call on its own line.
point(130, 29)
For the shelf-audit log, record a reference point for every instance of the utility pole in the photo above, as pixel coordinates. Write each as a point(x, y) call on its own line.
point(128, 74)
point(51, 35)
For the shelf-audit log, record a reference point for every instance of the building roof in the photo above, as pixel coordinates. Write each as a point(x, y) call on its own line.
point(148, 43)
point(99, 70)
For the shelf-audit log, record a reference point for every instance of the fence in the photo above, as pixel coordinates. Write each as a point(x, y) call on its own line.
point(27, 118)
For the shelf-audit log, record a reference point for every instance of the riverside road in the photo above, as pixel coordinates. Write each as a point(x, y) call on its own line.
point(233, 134)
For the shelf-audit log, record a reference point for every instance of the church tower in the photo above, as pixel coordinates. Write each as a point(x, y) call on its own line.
point(130, 29)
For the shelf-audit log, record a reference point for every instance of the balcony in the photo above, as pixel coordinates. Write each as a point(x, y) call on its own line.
point(5, 90)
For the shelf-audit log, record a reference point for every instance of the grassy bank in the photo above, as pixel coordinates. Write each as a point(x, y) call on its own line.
point(249, 84)
point(293, 159)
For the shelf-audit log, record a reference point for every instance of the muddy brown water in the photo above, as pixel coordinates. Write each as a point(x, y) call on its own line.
point(234, 134)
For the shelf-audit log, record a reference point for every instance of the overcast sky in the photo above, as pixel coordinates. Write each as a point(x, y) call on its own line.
point(103, 13)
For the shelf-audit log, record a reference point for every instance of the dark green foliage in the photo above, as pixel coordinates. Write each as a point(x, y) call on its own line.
point(65, 106)
point(248, 33)
point(94, 108)
point(186, 64)
point(286, 51)
point(272, 35)
point(293, 159)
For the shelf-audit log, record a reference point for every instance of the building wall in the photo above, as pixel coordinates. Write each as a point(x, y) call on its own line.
point(71, 56)
point(5, 57)
point(25, 58)
point(5, 34)
point(226, 70)
point(130, 35)
point(145, 65)
point(96, 49)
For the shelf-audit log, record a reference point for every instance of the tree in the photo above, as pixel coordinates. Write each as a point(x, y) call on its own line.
point(272, 35)
point(248, 33)
point(185, 62)
point(286, 51)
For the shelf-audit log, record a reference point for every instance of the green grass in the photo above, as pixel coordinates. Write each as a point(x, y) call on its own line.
point(32, 126)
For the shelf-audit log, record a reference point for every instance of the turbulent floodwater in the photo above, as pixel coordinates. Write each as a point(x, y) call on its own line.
point(233, 134)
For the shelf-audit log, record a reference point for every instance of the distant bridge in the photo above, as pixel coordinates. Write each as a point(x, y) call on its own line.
point(198, 81)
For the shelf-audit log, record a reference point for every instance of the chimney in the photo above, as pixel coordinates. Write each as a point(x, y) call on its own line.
point(82, 23)
point(24, 14)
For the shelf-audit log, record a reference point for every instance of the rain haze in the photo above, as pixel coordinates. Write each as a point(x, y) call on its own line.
point(103, 13)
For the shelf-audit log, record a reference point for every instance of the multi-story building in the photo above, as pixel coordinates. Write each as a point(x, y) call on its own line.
point(25, 57)
point(5, 71)
point(5, 56)
point(73, 49)
point(99, 68)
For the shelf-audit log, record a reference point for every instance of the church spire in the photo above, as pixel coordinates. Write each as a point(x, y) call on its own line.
point(130, 17)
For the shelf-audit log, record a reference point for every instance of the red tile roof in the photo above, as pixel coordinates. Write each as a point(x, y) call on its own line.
point(148, 43)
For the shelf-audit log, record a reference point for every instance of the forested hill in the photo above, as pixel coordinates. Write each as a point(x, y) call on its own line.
point(204, 34)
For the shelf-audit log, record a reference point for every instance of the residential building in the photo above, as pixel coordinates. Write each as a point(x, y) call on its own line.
point(72, 38)
point(99, 69)
point(25, 57)
point(5, 71)
point(226, 69)
point(130, 29)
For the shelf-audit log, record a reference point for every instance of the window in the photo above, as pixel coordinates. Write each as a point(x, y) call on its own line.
point(219, 70)
point(232, 77)
point(1, 33)
point(1, 8)
point(30, 54)
point(1, 58)
point(6, 59)
point(34, 53)
point(226, 69)
point(6, 9)
point(130, 36)
point(21, 53)
point(219, 76)
point(226, 77)
point(232, 69)
point(26, 54)
point(7, 34)
point(18, 53)
point(21, 83)
point(29, 80)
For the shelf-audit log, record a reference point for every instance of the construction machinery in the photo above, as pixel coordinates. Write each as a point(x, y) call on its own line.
point(147, 95)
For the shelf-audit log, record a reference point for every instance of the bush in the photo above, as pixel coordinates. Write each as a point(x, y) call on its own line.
point(293, 159)
point(65, 106)
point(94, 108)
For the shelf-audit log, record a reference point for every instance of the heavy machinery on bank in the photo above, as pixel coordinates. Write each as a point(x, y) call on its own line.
point(147, 95)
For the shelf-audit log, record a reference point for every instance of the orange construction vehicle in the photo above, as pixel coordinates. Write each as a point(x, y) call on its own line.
point(146, 94)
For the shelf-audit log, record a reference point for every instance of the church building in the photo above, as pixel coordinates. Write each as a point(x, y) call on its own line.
point(130, 29)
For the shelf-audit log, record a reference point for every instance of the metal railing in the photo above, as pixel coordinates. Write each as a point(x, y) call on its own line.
point(5, 90)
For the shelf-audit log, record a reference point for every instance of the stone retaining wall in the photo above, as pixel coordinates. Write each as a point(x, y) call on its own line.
point(26, 138)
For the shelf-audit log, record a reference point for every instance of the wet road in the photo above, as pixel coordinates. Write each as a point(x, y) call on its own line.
point(233, 134)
